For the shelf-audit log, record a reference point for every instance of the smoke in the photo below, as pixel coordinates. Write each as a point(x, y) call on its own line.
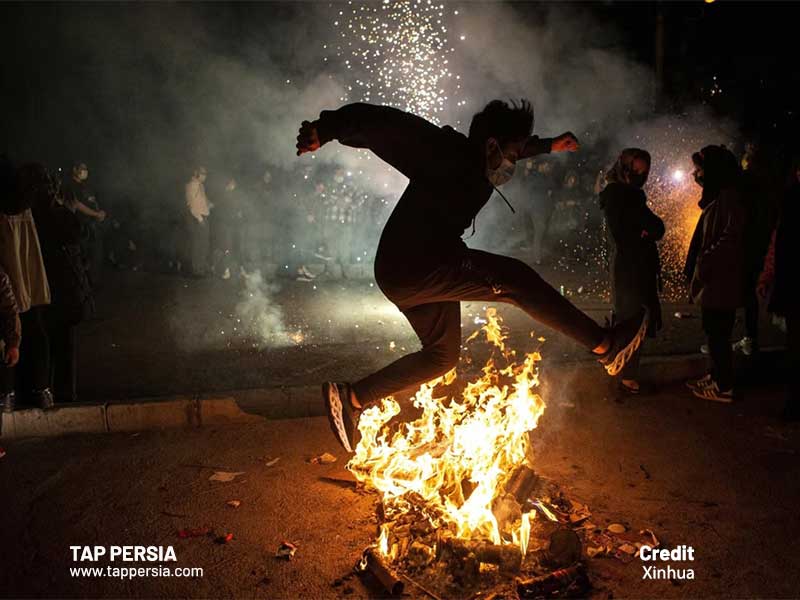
point(261, 318)
point(146, 92)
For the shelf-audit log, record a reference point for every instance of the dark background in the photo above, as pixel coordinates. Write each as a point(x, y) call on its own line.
point(60, 104)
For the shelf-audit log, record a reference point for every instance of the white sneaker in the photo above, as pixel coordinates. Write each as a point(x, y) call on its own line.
point(744, 345)
point(712, 392)
point(701, 383)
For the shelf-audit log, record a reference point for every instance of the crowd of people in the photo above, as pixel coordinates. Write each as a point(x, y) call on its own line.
point(56, 238)
point(740, 256)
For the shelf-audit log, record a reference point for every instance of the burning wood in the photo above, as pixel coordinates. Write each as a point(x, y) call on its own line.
point(508, 557)
point(373, 562)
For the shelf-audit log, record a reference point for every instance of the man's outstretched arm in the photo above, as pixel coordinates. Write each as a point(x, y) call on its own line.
point(566, 142)
point(407, 142)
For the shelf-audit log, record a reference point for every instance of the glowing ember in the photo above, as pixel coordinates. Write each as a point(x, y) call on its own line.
point(452, 463)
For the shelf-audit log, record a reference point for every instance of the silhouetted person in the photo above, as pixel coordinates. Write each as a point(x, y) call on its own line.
point(71, 293)
point(422, 264)
point(633, 231)
point(715, 264)
point(761, 193)
point(21, 259)
point(778, 282)
point(81, 200)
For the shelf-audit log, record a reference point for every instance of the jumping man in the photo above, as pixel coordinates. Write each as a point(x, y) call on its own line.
point(423, 266)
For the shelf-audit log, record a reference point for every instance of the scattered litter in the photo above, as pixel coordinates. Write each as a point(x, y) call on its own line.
point(579, 513)
point(645, 471)
point(137, 434)
point(2, 452)
point(225, 476)
point(286, 550)
point(325, 458)
point(617, 528)
point(567, 404)
point(224, 539)
point(272, 462)
point(628, 549)
point(683, 315)
point(194, 532)
point(649, 533)
point(593, 551)
point(234, 503)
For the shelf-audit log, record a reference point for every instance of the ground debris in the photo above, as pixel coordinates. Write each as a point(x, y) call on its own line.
point(193, 532)
point(234, 503)
point(224, 539)
point(271, 462)
point(2, 452)
point(286, 550)
point(325, 458)
point(225, 476)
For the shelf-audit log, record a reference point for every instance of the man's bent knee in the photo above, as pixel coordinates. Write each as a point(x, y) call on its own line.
point(444, 358)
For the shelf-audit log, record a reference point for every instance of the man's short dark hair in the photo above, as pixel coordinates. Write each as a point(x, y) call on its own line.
point(503, 121)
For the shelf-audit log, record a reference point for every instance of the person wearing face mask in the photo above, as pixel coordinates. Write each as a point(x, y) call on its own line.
point(81, 200)
point(715, 264)
point(632, 232)
point(424, 267)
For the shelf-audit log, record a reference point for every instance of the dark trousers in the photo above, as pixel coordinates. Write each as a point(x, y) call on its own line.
point(32, 373)
point(718, 327)
point(199, 240)
point(63, 356)
point(751, 306)
point(793, 354)
point(432, 307)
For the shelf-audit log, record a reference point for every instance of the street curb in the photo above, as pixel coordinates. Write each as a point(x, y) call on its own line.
point(123, 416)
point(564, 378)
point(286, 402)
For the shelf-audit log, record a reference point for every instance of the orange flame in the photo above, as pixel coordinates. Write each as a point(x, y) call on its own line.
point(455, 459)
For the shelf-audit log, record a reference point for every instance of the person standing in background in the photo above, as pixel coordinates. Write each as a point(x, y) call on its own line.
point(633, 231)
point(198, 210)
point(59, 231)
point(21, 260)
point(82, 201)
point(715, 264)
point(228, 226)
point(778, 285)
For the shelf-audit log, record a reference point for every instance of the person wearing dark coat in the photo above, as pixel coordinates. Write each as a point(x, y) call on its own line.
point(60, 234)
point(778, 282)
point(715, 264)
point(632, 230)
point(423, 265)
point(761, 192)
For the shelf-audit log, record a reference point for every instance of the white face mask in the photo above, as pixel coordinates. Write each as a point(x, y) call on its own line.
point(501, 174)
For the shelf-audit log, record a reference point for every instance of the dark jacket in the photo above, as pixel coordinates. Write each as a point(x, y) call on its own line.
point(718, 252)
point(759, 196)
point(785, 296)
point(446, 190)
point(633, 256)
point(60, 235)
point(9, 313)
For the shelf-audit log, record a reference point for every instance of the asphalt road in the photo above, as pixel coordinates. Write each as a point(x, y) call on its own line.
point(158, 335)
point(724, 479)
